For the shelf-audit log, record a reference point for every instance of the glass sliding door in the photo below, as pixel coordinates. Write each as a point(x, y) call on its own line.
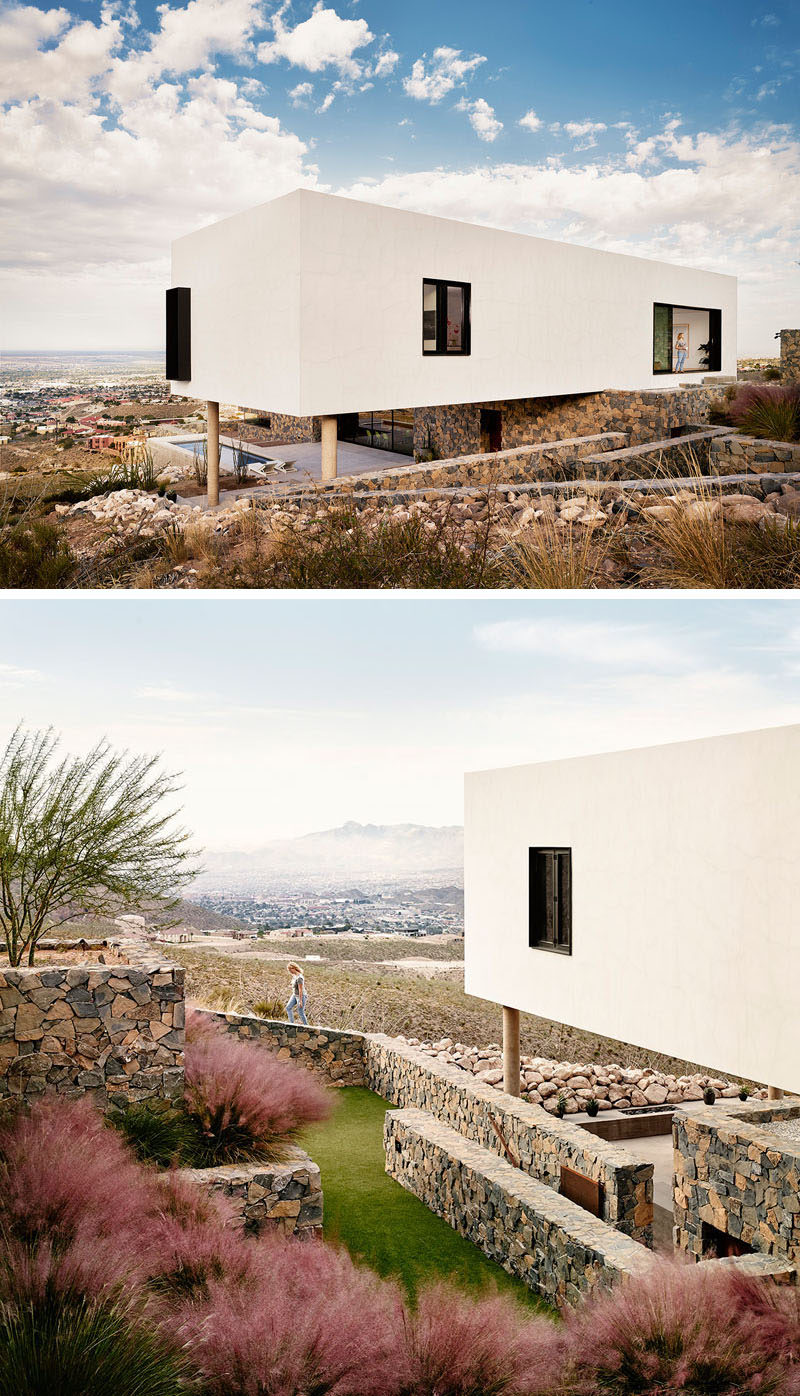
point(383, 431)
point(686, 339)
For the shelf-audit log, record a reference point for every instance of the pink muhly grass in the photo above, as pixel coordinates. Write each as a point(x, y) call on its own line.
point(681, 1329)
point(311, 1322)
point(87, 1266)
point(241, 1099)
point(189, 1203)
point(769, 411)
point(61, 1169)
point(184, 1257)
point(459, 1346)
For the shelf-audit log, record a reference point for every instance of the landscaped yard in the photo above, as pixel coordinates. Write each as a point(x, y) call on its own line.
point(378, 1221)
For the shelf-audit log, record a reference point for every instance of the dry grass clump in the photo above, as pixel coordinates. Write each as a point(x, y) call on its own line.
point(771, 412)
point(555, 555)
point(701, 547)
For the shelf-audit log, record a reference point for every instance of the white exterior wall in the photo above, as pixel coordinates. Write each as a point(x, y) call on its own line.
point(686, 897)
point(346, 277)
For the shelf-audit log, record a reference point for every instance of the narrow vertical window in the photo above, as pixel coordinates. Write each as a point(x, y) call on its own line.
point(550, 899)
point(179, 334)
point(429, 317)
point(446, 317)
point(662, 338)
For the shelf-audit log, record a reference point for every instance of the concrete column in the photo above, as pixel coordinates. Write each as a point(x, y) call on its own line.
point(330, 434)
point(212, 436)
point(511, 1081)
point(774, 1093)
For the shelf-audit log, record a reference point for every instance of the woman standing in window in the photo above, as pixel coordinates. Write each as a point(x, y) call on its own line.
point(680, 352)
point(298, 997)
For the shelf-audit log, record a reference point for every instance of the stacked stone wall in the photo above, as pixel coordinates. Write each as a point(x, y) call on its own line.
point(113, 1032)
point(282, 428)
point(336, 1056)
point(790, 356)
point(733, 1174)
point(285, 1195)
point(511, 1127)
point(730, 455)
point(556, 1247)
point(646, 415)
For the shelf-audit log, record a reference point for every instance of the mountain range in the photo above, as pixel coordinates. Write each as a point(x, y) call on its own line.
point(345, 854)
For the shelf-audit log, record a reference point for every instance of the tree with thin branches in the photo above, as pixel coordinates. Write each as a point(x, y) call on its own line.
point(83, 835)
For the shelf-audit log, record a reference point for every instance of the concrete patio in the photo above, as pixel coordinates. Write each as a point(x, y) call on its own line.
point(304, 466)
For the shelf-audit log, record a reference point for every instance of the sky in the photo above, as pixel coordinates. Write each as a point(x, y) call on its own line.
point(287, 715)
point(666, 132)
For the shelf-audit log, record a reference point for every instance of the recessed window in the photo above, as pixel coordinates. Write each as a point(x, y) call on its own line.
point(550, 899)
point(686, 339)
point(179, 334)
point(445, 317)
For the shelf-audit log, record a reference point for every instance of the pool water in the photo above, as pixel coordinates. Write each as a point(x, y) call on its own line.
point(226, 455)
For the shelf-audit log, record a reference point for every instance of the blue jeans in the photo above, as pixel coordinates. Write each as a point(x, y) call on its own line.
point(294, 1002)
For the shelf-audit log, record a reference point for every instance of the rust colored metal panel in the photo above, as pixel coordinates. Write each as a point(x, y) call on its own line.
point(587, 1192)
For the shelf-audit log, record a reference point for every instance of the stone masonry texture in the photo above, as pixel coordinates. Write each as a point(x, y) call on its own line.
point(285, 1195)
point(734, 1175)
point(405, 1076)
point(504, 1124)
point(729, 455)
point(557, 1248)
point(113, 1032)
point(790, 356)
point(646, 415)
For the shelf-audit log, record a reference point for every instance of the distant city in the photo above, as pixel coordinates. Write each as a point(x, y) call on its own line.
point(77, 395)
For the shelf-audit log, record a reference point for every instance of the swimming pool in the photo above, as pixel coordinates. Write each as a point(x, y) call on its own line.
point(253, 462)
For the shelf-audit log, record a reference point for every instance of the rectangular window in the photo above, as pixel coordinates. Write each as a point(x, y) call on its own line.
point(446, 317)
point(179, 334)
point(686, 339)
point(550, 899)
point(383, 431)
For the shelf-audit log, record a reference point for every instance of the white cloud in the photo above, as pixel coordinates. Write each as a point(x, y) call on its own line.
point(12, 676)
point(584, 133)
point(431, 81)
point(623, 645)
point(167, 693)
point(385, 63)
point(325, 40)
point(300, 94)
point(83, 52)
point(530, 121)
point(187, 39)
point(481, 118)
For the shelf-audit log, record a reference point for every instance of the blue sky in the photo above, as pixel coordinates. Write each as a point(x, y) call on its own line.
point(665, 132)
point(293, 714)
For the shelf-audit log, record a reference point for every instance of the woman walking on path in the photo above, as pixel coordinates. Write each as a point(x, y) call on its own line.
point(298, 998)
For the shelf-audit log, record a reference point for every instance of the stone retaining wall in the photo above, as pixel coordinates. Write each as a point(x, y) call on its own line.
point(644, 415)
point(336, 1056)
point(283, 428)
point(114, 1032)
point(733, 1174)
point(285, 1195)
point(541, 1145)
point(524, 463)
point(672, 456)
point(556, 1247)
point(730, 454)
point(790, 356)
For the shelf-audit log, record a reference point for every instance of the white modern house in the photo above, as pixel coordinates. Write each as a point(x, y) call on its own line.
point(331, 310)
point(649, 895)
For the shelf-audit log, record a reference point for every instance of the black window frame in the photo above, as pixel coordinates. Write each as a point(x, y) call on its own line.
point(714, 314)
point(550, 918)
point(441, 349)
point(178, 366)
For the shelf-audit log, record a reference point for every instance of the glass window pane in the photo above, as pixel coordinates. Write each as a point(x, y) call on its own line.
point(662, 347)
point(429, 315)
point(363, 435)
point(455, 319)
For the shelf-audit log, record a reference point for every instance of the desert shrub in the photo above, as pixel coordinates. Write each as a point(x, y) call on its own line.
point(241, 1100)
point(310, 1322)
point(348, 549)
point(682, 1329)
point(550, 556)
point(59, 1167)
point(164, 1137)
point(771, 412)
point(83, 1348)
point(701, 548)
point(34, 554)
point(465, 1347)
point(269, 1008)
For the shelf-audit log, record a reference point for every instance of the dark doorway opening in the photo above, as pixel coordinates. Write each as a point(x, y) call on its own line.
point(491, 429)
point(717, 1244)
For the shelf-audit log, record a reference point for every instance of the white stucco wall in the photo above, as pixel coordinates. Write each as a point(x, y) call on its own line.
point(312, 304)
point(686, 897)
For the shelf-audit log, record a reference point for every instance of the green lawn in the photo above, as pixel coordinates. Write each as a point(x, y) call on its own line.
point(382, 1224)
